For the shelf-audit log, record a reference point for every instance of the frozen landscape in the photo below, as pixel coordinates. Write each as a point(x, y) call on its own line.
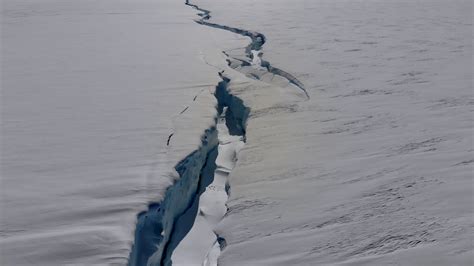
point(206, 132)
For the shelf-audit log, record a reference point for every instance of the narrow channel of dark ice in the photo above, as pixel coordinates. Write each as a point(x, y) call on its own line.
point(164, 224)
point(256, 44)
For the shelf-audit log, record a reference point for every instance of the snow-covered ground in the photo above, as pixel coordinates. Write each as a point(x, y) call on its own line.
point(91, 90)
point(102, 99)
point(376, 168)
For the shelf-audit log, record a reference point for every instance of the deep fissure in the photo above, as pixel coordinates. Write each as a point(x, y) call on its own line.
point(160, 229)
point(231, 131)
point(254, 48)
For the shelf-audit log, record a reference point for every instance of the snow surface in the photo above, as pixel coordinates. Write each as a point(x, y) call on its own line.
point(375, 168)
point(91, 90)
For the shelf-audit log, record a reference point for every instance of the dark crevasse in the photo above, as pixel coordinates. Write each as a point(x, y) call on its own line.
point(155, 226)
point(185, 221)
point(160, 229)
point(253, 50)
point(235, 115)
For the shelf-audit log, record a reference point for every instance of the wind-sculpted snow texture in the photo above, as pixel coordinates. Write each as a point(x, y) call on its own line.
point(93, 123)
point(376, 168)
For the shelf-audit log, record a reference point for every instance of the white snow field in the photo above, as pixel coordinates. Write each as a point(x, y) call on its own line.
point(339, 133)
point(91, 90)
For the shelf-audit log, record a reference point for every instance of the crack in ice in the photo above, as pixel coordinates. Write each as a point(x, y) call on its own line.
point(253, 51)
point(164, 225)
